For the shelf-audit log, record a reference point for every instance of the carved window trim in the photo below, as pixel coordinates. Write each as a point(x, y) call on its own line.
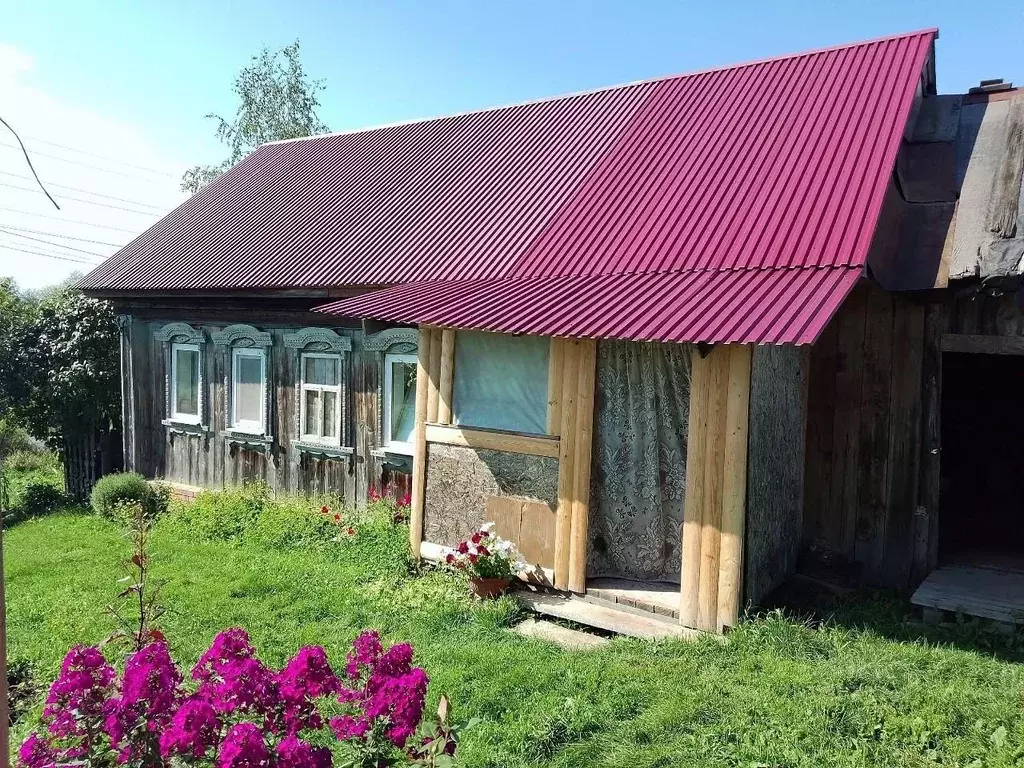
point(320, 341)
point(391, 341)
point(171, 336)
point(242, 336)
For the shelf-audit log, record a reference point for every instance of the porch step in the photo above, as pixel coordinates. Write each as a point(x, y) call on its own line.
point(991, 593)
point(570, 639)
point(608, 616)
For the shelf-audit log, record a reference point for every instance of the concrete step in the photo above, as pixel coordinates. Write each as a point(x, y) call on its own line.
point(592, 613)
point(570, 639)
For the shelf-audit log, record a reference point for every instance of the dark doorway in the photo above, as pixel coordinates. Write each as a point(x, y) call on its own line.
point(981, 512)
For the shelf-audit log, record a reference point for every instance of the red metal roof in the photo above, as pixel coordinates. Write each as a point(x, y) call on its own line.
point(769, 176)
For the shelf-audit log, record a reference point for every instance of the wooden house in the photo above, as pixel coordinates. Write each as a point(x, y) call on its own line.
point(677, 338)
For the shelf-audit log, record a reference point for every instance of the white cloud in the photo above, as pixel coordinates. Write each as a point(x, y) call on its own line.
point(114, 160)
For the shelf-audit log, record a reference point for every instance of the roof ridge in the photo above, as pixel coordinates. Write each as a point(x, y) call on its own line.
point(602, 89)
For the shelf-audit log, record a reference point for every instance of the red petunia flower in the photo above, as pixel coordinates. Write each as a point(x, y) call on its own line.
point(351, 531)
point(473, 558)
point(475, 538)
point(324, 510)
point(450, 558)
point(463, 548)
point(337, 518)
point(483, 551)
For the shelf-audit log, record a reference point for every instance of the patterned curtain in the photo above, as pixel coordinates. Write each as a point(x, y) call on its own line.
point(639, 464)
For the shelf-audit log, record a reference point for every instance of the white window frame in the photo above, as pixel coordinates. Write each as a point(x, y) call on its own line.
point(175, 415)
point(249, 427)
point(394, 446)
point(305, 387)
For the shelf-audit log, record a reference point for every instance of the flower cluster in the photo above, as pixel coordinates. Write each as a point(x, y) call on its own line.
point(399, 504)
point(241, 713)
point(336, 518)
point(486, 555)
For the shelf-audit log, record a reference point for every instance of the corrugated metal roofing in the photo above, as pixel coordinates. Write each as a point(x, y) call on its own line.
point(777, 168)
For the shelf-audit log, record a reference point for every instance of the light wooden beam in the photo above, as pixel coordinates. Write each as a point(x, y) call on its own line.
point(585, 380)
point(434, 374)
point(566, 462)
point(419, 463)
point(444, 403)
point(555, 358)
point(494, 440)
point(711, 513)
point(693, 503)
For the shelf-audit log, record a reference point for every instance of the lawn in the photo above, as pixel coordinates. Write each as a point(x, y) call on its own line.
point(861, 690)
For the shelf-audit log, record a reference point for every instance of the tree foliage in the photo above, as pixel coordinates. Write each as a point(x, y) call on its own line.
point(277, 100)
point(15, 312)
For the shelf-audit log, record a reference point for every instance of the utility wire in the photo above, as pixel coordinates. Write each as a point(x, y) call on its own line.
point(50, 243)
point(69, 221)
point(51, 255)
point(89, 165)
point(61, 236)
point(87, 192)
point(28, 160)
point(101, 157)
point(89, 202)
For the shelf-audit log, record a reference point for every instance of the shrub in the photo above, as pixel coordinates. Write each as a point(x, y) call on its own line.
point(40, 498)
point(13, 438)
point(221, 515)
point(32, 461)
point(115, 491)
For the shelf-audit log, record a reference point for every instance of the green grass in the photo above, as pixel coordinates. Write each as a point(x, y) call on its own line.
point(778, 693)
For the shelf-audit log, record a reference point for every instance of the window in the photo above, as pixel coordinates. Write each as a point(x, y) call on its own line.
point(501, 381)
point(248, 391)
point(321, 398)
point(185, 383)
point(399, 402)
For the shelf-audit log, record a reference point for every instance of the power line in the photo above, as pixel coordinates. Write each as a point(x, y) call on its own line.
point(50, 243)
point(89, 202)
point(62, 237)
point(89, 165)
point(51, 255)
point(100, 157)
point(69, 221)
point(29, 161)
point(86, 191)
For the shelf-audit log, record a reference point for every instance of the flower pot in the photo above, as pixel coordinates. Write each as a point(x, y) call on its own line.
point(487, 589)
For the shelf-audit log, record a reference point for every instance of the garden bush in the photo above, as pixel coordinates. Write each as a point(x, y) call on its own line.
point(112, 492)
point(40, 498)
point(32, 461)
point(13, 438)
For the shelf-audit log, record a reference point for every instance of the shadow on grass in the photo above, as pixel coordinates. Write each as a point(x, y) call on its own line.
point(890, 615)
point(19, 515)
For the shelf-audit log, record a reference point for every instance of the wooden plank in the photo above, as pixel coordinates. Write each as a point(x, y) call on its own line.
point(537, 533)
point(734, 489)
point(493, 439)
point(981, 344)
point(581, 466)
point(444, 403)
point(985, 592)
point(714, 480)
point(506, 512)
point(434, 375)
point(821, 402)
point(419, 462)
point(581, 611)
point(555, 357)
point(693, 503)
point(1006, 189)
point(925, 555)
point(904, 443)
point(873, 467)
point(566, 463)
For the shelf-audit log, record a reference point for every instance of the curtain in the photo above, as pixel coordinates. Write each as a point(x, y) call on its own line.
point(639, 465)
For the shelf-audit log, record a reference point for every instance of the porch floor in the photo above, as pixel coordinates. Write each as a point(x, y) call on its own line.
point(652, 596)
point(987, 585)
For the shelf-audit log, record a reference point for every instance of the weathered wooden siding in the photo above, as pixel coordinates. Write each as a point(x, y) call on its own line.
point(863, 434)
point(775, 467)
point(210, 460)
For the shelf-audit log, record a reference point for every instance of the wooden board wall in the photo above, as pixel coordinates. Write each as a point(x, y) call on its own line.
point(863, 434)
point(714, 512)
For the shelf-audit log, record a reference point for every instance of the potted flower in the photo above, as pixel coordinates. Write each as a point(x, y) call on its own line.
point(489, 561)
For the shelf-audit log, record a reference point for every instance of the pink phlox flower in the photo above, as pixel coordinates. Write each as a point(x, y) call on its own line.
point(232, 678)
point(79, 692)
point(36, 752)
point(308, 676)
point(400, 700)
point(347, 727)
point(243, 747)
point(193, 730)
point(366, 649)
point(295, 753)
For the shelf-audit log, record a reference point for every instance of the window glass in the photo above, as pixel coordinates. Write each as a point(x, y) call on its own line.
point(330, 419)
point(321, 397)
point(321, 370)
point(186, 382)
point(501, 381)
point(314, 413)
point(401, 381)
point(249, 389)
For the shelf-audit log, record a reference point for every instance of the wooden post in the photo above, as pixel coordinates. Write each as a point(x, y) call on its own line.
point(734, 493)
point(566, 462)
point(434, 375)
point(419, 463)
point(444, 404)
point(581, 469)
point(714, 471)
point(693, 504)
point(555, 385)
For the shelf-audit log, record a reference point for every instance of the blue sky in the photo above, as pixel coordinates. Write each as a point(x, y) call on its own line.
point(154, 69)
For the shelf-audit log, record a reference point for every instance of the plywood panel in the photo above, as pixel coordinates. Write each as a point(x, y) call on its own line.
point(537, 536)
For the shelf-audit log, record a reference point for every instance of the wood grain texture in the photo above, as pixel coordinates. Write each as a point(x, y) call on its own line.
point(974, 343)
point(566, 462)
point(514, 442)
point(555, 357)
point(444, 403)
point(434, 374)
point(714, 486)
point(581, 465)
point(693, 503)
point(734, 489)
point(926, 517)
point(1006, 189)
point(419, 464)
